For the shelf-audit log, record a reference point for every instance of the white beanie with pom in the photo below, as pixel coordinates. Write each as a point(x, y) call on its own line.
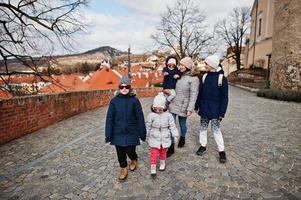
point(160, 100)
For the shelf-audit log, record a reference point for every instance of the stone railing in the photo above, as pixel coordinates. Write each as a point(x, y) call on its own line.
point(23, 115)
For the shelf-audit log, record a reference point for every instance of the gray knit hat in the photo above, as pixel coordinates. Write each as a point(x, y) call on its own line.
point(125, 80)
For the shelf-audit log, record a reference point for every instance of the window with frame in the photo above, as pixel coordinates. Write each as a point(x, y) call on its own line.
point(260, 24)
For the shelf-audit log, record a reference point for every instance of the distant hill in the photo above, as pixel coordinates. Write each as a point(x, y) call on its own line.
point(106, 50)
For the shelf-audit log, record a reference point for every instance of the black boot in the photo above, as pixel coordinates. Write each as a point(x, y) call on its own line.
point(222, 157)
point(171, 150)
point(201, 151)
point(181, 142)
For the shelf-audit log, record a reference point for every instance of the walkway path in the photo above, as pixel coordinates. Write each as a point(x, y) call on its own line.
point(69, 160)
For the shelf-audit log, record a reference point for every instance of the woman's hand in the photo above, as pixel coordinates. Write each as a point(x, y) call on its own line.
point(176, 140)
point(188, 113)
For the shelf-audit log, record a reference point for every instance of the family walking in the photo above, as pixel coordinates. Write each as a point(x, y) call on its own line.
point(183, 93)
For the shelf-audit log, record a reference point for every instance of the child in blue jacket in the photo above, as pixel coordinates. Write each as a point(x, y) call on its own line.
point(212, 104)
point(125, 126)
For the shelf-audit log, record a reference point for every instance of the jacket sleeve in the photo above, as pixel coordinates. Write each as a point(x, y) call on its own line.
point(224, 98)
point(148, 123)
point(165, 70)
point(172, 126)
point(193, 93)
point(140, 119)
point(109, 123)
point(198, 100)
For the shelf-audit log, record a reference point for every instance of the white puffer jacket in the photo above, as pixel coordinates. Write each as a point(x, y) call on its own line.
point(159, 127)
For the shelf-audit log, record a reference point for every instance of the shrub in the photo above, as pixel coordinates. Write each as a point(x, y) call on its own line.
point(283, 95)
point(266, 84)
point(158, 85)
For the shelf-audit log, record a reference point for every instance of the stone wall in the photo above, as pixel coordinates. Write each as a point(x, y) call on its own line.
point(286, 54)
point(23, 115)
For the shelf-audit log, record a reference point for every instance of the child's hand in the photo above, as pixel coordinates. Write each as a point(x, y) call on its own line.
point(108, 139)
point(176, 76)
point(165, 74)
point(188, 113)
point(176, 139)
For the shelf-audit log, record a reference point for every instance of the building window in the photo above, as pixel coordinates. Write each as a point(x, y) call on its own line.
point(259, 24)
point(259, 28)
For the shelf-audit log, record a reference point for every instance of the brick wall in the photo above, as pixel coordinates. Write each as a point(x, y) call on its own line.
point(23, 115)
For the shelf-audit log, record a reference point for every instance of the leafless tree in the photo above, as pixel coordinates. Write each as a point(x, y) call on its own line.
point(232, 31)
point(32, 30)
point(182, 29)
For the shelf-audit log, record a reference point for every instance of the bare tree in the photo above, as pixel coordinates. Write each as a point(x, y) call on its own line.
point(31, 29)
point(182, 29)
point(232, 31)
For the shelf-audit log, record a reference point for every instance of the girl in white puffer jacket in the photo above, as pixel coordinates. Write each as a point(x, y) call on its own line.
point(160, 125)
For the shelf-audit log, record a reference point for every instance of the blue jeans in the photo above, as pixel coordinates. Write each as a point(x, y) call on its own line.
point(183, 125)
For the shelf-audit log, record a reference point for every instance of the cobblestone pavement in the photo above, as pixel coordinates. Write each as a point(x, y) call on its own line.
point(69, 160)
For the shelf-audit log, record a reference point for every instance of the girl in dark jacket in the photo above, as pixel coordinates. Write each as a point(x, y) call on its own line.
point(211, 104)
point(125, 125)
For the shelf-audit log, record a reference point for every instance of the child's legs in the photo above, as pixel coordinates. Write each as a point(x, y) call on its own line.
point(154, 153)
point(162, 153)
point(171, 96)
point(218, 136)
point(203, 132)
point(121, 154)
point(183, 125)
point(131, 152)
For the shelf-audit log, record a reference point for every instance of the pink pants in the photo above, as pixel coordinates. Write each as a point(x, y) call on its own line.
point(155, 152)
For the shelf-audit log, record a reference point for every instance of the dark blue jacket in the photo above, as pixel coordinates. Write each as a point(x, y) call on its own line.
point(168, 81)
point(212, 99)
point(125, 121)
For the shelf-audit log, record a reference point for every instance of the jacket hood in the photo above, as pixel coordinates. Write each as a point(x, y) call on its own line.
point(220, 70)
point(169, 57)
point(131, 93)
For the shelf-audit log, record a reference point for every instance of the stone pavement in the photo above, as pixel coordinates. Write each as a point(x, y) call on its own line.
point(69, 160)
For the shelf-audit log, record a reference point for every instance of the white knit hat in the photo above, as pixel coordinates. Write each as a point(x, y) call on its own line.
point(172, 61)
point(212, 61)
point(160, 100)
point(187, 62)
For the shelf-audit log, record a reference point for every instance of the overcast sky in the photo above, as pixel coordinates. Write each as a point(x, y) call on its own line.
point(118, 23)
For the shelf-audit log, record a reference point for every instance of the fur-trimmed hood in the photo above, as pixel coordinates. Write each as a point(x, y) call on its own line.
point(131, 93)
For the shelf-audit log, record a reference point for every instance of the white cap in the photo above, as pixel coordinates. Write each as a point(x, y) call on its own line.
point(212, 61)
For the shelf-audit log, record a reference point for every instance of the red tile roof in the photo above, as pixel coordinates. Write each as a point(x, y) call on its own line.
point(104, 79)
point(65, 83)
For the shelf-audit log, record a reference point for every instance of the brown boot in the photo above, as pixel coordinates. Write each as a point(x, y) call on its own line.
point(123, 174)
point(133, 165)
